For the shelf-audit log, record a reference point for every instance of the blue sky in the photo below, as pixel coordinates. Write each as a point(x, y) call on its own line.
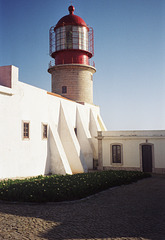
point(129, 85)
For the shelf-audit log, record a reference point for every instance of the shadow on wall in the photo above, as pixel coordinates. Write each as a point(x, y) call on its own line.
point(48, 158)
point(128, 212)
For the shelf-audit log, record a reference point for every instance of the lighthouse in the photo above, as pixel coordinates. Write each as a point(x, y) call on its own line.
point(72, 47)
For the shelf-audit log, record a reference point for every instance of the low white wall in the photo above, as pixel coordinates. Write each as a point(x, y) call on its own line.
point(132, 142)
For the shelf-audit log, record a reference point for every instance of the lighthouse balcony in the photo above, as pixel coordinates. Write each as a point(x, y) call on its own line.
point(83, 61)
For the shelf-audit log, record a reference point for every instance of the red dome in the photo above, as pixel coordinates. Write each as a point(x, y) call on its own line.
point(71, 19)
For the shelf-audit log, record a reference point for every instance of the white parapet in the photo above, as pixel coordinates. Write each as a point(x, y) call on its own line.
point(8, 76)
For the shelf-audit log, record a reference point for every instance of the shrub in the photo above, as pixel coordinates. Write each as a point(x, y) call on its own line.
point(57, 188)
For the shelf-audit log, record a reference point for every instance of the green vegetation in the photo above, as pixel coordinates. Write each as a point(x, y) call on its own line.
point(56, 188)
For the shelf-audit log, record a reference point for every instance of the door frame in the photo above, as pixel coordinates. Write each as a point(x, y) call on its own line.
point(152, 152)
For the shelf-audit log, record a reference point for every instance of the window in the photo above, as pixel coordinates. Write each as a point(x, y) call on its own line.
point(44, 131)
point(116, 154)
point(69, 37)
point(64, 89)
point(75, 130)
point(26, 130)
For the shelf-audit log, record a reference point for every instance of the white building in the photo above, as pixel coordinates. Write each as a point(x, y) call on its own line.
point(62, 132)
point(52, 132)
point(43, 132)
point(132, 150)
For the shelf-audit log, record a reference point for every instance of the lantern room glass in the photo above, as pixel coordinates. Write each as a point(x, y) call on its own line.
point(71, 37)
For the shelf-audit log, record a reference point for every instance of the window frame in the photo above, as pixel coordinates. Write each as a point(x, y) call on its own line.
point(75, 131)
point(43, 131)
point(121, 154)
point(23, 130)
point(64, 89)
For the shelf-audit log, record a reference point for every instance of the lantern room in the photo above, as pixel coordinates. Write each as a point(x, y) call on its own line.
point(71, 40)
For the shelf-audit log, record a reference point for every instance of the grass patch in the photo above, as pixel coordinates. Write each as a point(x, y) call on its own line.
point(56, 188)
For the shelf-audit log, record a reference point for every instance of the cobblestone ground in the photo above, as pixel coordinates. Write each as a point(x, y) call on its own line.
point(132, 212)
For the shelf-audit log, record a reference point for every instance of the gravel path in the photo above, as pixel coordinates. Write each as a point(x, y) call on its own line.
point(133, 212)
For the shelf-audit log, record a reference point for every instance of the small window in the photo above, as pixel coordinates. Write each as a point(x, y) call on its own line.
point(64, 89)
point(75, 130)
point(26, 130)
point(116, 154)
point(44, 131)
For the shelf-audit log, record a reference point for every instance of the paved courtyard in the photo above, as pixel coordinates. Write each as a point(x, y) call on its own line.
point(133, 212)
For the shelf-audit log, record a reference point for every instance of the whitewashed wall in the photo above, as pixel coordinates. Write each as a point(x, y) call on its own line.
point(63, 152)
point(131, 149)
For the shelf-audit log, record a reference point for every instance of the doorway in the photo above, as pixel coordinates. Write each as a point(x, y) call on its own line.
point(147, 158)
